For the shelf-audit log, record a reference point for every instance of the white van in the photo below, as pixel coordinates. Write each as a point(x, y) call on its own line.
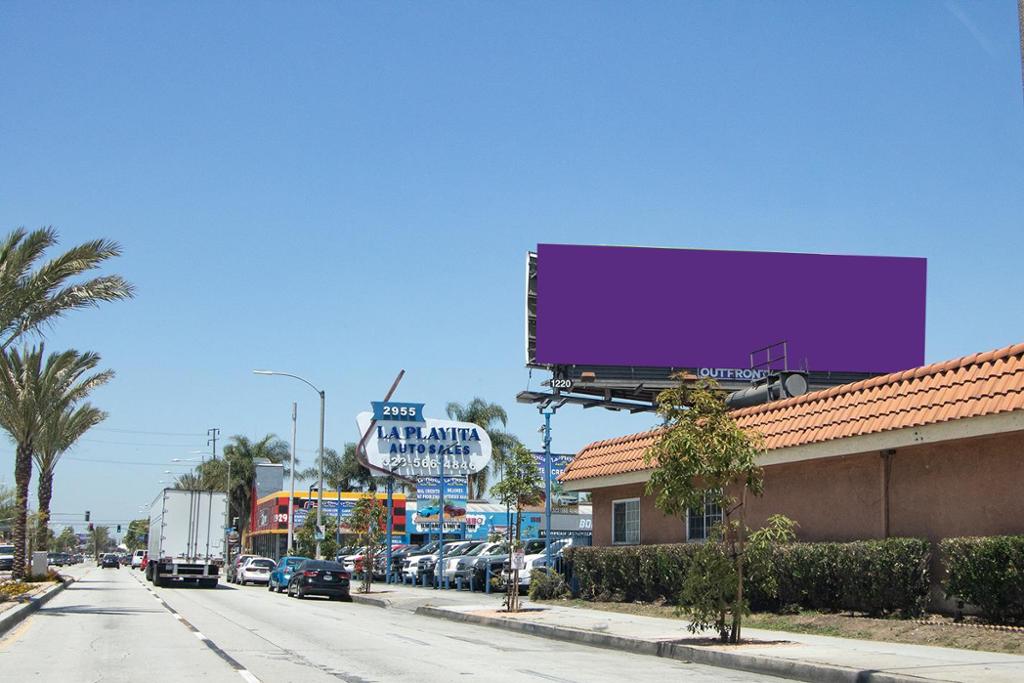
point(137, 558)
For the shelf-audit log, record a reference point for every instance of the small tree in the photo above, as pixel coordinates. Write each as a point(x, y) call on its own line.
point(521, 486)
point(368, 518)
point(703, 457)
point(99, 540)
point(136, 536)
point(305, 536)
point(67, 542)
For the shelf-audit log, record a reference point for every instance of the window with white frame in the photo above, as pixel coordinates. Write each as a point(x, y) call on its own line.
point(626, 521)
point(700, 521)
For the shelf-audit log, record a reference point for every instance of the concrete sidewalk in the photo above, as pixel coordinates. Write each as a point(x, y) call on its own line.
point(791, 655)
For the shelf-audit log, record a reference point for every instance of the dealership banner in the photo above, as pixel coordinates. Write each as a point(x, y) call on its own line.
point(559, 497)
point(428, 500)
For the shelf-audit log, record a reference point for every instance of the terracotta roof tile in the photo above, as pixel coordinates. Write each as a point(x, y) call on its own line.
point(979, 384)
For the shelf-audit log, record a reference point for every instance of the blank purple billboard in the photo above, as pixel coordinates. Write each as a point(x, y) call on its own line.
point(689, 308)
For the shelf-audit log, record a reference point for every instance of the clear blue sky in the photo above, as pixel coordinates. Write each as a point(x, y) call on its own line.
point(341, 190)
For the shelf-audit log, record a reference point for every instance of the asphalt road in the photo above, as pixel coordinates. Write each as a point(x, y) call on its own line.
point(112, 626)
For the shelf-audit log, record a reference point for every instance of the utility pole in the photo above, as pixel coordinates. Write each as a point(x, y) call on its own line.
point(212, 441)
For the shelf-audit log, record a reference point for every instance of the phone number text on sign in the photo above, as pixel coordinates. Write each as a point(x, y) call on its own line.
point(415, 448)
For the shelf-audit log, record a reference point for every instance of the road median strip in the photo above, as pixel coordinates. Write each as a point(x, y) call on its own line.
point(15, 615)
point(773, 666)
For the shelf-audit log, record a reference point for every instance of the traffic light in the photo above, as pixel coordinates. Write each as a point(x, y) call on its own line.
point(118, 528)
point(87, 515)
point(90, 526)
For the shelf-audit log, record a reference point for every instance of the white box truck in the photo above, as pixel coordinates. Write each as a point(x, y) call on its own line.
point(186, 537)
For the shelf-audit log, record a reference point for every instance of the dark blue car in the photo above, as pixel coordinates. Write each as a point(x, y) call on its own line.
point(282, 573)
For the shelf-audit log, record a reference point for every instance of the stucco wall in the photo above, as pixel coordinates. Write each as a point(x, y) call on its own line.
point(966, 487)
point(654, 526)
point(973, 487)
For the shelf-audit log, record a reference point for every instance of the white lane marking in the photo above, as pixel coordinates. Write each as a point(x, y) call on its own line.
point(248, 676)
point(176, 616)
point(198, 635)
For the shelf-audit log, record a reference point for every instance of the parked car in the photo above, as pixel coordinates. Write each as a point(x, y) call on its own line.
point(539, 559)
point(451, 562)
point(232, 572)
point(425, 564)
point(349, 560)
point(380, 560)
point(6, 557)
point(494, 558)
point(409, 563)
point(256, 570)
point(56, 559)
point(282, 573)
point(110, 560)
point(137, 558)
point(320, 577)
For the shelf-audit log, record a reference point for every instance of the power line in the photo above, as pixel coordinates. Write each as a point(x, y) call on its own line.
point(137, 431)
point(137, 443)
point(129, 462)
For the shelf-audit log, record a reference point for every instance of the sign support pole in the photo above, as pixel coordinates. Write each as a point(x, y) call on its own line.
point(440, 532)
point(391, 526)
point(547, 487)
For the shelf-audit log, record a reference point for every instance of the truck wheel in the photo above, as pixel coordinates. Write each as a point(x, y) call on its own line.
point(158, 581)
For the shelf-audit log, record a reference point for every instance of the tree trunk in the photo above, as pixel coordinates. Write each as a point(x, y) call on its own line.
point(22, 475)
point(737, 608)
point(45, 494)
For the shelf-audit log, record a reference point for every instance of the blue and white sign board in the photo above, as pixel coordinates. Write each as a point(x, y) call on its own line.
point(412, 446)
point(333, 509)
point(428, 500)
point(559, 461)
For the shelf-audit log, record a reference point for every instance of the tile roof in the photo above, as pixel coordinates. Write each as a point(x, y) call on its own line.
point(972, 386)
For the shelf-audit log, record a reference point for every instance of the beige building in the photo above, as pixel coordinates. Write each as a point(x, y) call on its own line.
point(932, 452)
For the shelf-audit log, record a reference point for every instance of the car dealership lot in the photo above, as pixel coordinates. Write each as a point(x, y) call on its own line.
point(121, 625)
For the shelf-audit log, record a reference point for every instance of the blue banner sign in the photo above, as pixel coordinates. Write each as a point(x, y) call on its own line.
point(428, 499)
point(560, 498)
point(411, 412)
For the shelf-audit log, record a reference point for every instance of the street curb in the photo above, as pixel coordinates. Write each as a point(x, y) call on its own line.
point(772, 666)
point(367, 600)
point(12, 617)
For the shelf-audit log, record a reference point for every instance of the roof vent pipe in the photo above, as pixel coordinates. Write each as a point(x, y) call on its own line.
point(777, 386)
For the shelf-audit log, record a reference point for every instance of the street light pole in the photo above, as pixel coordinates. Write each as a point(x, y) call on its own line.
point(320, 490)
point(320, 494)
point(291, 498)
point(547, 410)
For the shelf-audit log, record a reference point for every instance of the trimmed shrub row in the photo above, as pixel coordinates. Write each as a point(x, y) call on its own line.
point(650, 573)
point(987, 572)
point(874, 577)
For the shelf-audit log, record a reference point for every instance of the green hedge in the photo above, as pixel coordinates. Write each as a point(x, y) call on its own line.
point(987, 573)
point(649, 573)
point(874, 577)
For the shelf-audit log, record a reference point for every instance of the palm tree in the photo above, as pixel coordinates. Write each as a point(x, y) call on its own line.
point(190, 481)
point(243, 454)
point(31, 393)
point(342, 472)
point(58, 435)
point(487, 416)
point(33, 294)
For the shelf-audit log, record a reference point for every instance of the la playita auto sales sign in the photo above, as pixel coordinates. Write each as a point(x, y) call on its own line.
point(406, 443)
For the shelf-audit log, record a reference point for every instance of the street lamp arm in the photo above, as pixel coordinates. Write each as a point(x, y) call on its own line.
point(288, 374)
